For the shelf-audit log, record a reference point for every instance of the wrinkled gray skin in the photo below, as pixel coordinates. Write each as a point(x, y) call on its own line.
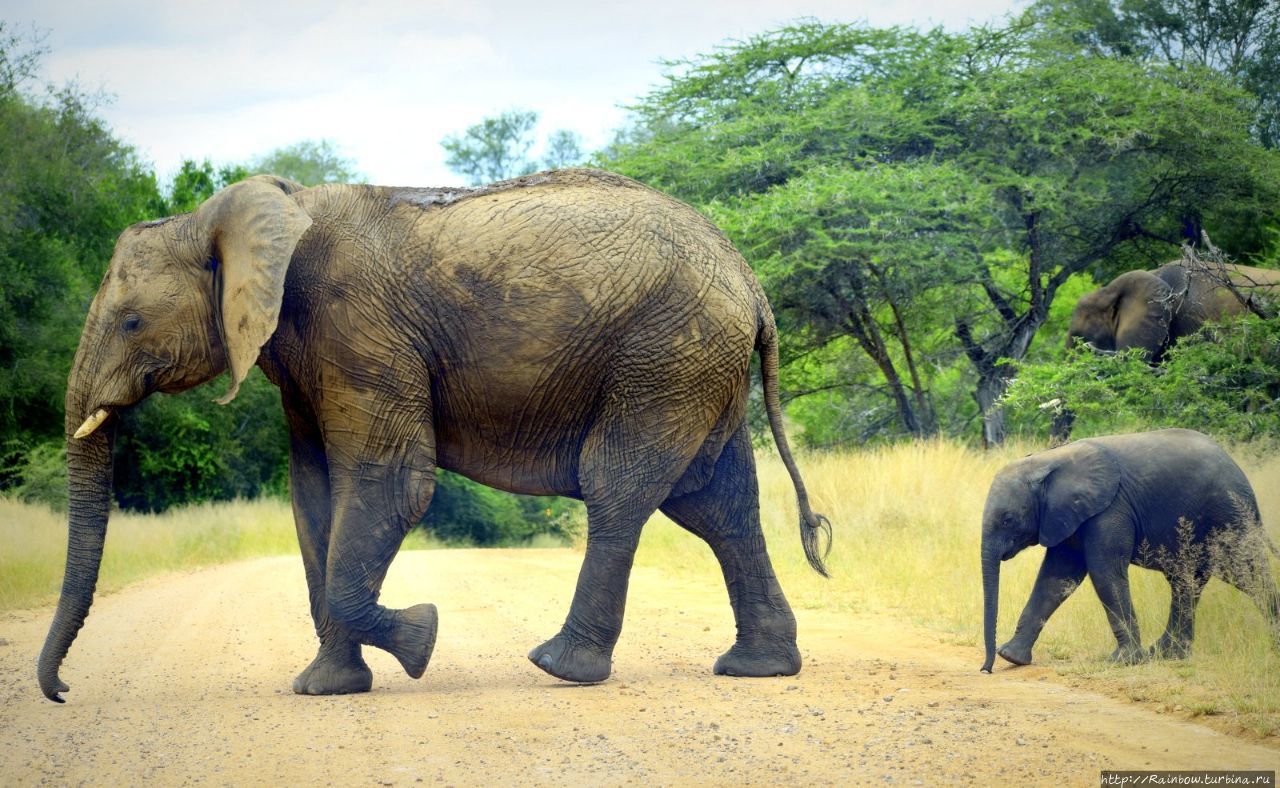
point(1101, 504)
point(1151, 310)
point(569, 333)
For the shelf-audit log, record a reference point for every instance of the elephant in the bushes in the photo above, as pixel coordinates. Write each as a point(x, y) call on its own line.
point(1151, 310)
point(1169, 500)
point(569, 333)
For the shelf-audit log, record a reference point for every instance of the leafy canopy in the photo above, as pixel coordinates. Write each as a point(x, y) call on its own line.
point(927, 195)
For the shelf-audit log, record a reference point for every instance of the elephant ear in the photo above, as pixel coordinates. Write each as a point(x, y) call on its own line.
point(1143, 311)
point(1077, 482)
point(252, 228)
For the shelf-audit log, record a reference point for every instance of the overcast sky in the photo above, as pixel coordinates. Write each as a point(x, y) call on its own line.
point(387, 80)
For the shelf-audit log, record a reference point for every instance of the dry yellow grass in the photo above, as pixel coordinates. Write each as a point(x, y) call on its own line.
point(33, 544)
point(907, 528)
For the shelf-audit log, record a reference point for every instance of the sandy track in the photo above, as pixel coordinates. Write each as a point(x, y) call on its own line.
point(186, 679)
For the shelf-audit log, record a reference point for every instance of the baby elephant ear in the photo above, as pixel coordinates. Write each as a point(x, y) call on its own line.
point(1079, 481)
point(253, 227)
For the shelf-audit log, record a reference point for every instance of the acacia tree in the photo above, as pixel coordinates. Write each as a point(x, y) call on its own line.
point(498, 147)
point(1095, 164)
point(868, 254)
point(1238, 38)
point(1065, 164)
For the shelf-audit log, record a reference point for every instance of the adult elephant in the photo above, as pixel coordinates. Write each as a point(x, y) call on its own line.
point(1170, 500)
point(569, 333)
point(1151, 310)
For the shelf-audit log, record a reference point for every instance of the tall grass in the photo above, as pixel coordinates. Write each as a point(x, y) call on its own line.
point(33, 544)
point(907, 529)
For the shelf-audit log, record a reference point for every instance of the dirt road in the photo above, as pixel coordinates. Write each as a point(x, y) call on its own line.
point(186, 679)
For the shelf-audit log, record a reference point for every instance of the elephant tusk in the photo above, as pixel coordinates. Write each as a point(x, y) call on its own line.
point(92, 423)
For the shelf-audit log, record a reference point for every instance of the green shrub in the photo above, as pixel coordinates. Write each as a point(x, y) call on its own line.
point(1224, 381)
point(41, 474)
point(466, 512)
point(185, 448)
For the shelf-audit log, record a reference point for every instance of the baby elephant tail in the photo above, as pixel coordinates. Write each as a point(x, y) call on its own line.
point(814, 528)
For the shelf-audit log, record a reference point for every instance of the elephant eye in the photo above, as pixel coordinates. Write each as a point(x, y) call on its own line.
point(131, 324)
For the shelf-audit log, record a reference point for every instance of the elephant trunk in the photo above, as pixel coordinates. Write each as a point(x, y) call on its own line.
point(990, 603)
point(89, 483)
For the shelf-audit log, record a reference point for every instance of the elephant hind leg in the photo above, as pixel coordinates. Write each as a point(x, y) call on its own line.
point(629, 462)
point(1061, 573)
point(1184, 597)
point(582, 651)
point(725, 512)
point(1248, 568)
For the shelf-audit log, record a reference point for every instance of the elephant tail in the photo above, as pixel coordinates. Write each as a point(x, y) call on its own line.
point(814, 528)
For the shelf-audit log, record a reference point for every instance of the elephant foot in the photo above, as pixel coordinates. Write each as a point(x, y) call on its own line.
point(773, 659)
point(1129, 655)
point(1171, 648)
point(335, 672)
point(571, 660)
point(412, 638)
point(1016, 654)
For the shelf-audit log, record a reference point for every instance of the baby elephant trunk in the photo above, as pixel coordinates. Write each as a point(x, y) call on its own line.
point(990, 604)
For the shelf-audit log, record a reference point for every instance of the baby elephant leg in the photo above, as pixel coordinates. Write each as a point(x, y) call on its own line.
point(1175, 643)
point(1060, 574)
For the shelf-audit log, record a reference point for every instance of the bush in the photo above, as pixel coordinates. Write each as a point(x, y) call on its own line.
point(41, 474)
point(466, 512)
point(1224, 381)
point(184, 448)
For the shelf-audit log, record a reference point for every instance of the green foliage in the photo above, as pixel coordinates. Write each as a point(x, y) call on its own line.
point(929, 195)
point(69, 188)
point(40, 473)
point(195, 183)
point(564, 149)
point(493, 149)
point(309, 162)
point(466, 512)
point(183, 448)
point(1224, 381)
point(1238, 38)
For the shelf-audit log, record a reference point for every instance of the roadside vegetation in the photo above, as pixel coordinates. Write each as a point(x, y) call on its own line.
point(33, 544)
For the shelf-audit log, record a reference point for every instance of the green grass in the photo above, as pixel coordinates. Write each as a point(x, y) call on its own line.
point(907, 525)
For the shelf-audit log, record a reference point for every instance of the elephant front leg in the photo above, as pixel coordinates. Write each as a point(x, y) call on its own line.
point(370, 522)
point(1108, 543)
point(339, 667)
point(381, 457)
point(1060, 574)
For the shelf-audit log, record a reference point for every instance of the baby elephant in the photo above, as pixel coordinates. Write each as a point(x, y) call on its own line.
point(1170, 500)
